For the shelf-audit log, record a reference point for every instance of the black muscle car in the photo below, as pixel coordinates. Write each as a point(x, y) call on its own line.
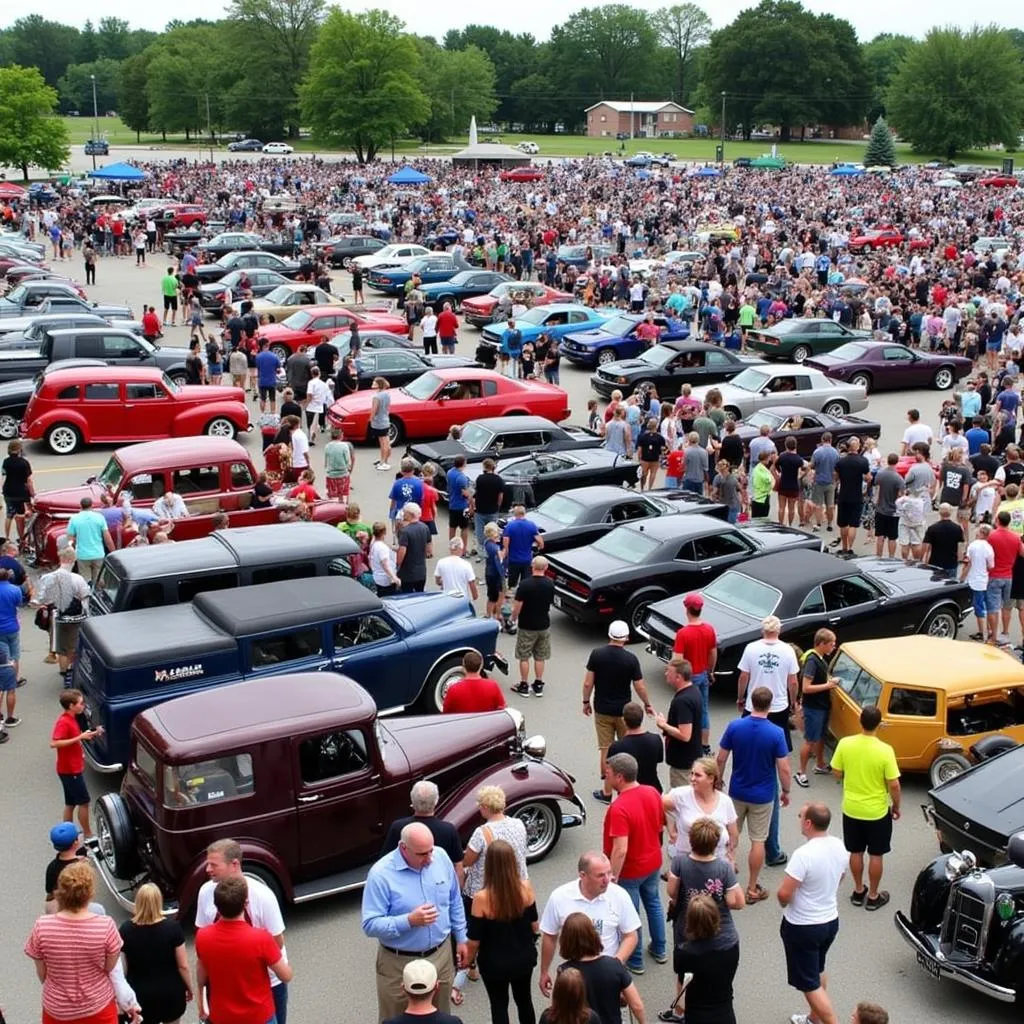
point(633, 566)
point(806, 425)
point(238, 241)
point(859, 599)
point(246, 259)
point(402, 365)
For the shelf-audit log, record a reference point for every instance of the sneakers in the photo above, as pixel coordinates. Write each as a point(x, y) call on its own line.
point(383, 466)
point(12, 721)
point(800, 1018)
point(636, 970)
point(822, 769)
point(658, 958)
point(538, 687)
point(671, 1017)
point(878, 902)
point(521, 689)
point(22, 682)
point(858, 896)
point(601, 796)
point(777, 862)
point(4, 735)
point(801, 780)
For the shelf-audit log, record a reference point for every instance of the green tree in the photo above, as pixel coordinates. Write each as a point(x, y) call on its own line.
point(957, 90)
point(113, 38)
point(361, 90)
point(459, 85)
point(132, 97)
point(29, 134)
point(881, 151)
point(882, 57)
point(75, 86)
point(47, 45)
point(682, 28)
point(88, 47)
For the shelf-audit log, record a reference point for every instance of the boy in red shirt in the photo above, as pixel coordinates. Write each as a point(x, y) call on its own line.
point(66, 739)
point(674, 468)
point(428, 505)
point(472, 693)
point(233, 960)
point(697, 642)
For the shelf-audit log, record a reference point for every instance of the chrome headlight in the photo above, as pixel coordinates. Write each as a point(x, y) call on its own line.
point(519, 721)
point(954, 868)
point(536, 747)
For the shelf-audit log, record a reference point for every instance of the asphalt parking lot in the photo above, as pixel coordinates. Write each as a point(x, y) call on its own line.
point(334, 973)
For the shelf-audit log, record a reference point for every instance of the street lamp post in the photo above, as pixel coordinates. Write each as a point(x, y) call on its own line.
point(722, 143)
point(95, 120)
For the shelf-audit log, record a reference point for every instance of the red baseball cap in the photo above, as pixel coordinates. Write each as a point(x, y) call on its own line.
point(694, 601)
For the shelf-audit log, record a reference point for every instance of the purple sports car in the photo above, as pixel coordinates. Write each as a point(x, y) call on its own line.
point(885, 365)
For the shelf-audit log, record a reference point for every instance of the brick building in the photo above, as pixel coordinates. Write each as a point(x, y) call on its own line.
point(610, 117)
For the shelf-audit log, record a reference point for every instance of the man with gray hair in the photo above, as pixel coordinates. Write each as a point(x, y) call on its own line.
point(67, 594)
point(423, 798)
point(454, 575)
point(414, 548)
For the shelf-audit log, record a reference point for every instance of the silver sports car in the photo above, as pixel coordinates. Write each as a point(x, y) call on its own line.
point(761, 387)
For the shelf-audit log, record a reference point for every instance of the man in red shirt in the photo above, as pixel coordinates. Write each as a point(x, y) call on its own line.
point(1006, 546)
point(697, 642)
point(150, 324)
point(447, 329)
point(233, 960)
point(66, 739)
point(633, 825)
point(473, 693)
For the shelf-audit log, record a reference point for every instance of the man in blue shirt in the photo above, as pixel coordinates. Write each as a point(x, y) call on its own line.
point(406, 488)
point(88, 530)
point(511, 349)
point(823, 492)
point(977, 436)
point(267, 365)
point(518, 540)
point(459, 490)
point(12, 597)
point(412, 906)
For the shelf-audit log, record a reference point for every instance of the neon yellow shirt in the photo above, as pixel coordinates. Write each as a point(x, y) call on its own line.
point(868, 765)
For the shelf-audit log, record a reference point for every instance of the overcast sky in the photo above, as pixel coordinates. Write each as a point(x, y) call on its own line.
point(869, 17)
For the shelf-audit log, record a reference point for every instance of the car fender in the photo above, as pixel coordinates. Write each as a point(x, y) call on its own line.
point(931, 890)
point(41, 424)
point(194, 419)
point(253, 852)
point(1009, 963)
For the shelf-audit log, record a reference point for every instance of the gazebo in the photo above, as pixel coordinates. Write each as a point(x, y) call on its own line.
point(118, 172)
point(488, 154)
point(409, 176)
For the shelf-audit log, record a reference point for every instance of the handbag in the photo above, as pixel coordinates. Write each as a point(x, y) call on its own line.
point(43, 616)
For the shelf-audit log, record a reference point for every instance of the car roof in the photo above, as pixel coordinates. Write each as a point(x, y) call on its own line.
point(797, 567)
point(109, 373)
point(956, 666)
point(789, 410)
point(265, 607)
point(677, 527)
point(498, 423)
point(209, 721)
point(599, 494)
point(172, 452)
point(557, 306)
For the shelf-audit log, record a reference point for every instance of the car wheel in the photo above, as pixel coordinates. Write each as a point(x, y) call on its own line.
point(946, 767)
point(606, 356)
point(345, 261)
point(450, 671)
point(8, 427)
point(732, 413)
point(942, 623)
point(220, 427)
point(543, 823)
point(396, 431)
point(836, 408)
point(943, 379)
point(267, 877)
point(179, 378)
point(800, 353)
point(636, 611)
point(116, 835)
point(281, 351)
point(642, 386)
point(63, 439)
point(864, 380)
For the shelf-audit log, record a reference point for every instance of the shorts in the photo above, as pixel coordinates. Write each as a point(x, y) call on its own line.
point(815, 720)
point(378, 431)
point(873, 836)
point(787, 493)
point(493, 588)
point(516, 572)
point(215, 369)
point(1017, 603)
point(12, 641)
point(268, 394)
point(823, 494)
point(300, 392)
point(757, 816)
point(15, 507)
point(806, 947)
point(980, 602)
point(338, 486)
point(458, 518)
point(911, 533)
point(533, 643)
point(171, 302)
point(849, 513)
point(997, 594)
point(609, 728)
point(8, 678)
point(66, 640)
point(887, 527)
point(76, 792)
point(431, 525)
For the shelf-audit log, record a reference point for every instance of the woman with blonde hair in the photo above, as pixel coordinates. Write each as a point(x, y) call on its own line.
point(491, 804)
point(155, 963)
point(74, 951)
point(494, 570)
point(702, 798)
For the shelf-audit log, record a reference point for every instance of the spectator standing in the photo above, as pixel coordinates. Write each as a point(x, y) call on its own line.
point(942, 543)
point(871, 803)
point(702, 798)
point(978, 562)
point(169, 290)
point(695, 465)
point(460, 490)
point(339, 461)
point(518, 540)
point(888, 486)
point(454, 575)
point(67, 738)
point(488, 497)
point(88, 530)
point(511, 349)
point(852, 472)
point(267, 366)
point(681, 726)
point(611, 673)
point(420, 988)
point(762, 481)
point(816, 686)
point(915, 433)
point(649, 446)
point(618, 437)
point(428, 327)
point(490, 802)
point(473, 693)
point(494, 571)
point(18, 489)
point(810, 914)
point(423, 799)
point(762, 443)
point(728, 489)
point(407, 487)
point(823, 490)
point(1007, 547)
point(531, 614)
point(697, 642)
point(869, 1013)
point(447, 329)
point(790, 466)
point(382, 562)
point(414, 550)
point(632, 841)
point(318, 396)
point(646, 747)
point(569, 1001)
point(380, 421)
point(955, 480)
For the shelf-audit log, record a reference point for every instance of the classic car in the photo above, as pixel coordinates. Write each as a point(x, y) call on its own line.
point(156, 575)
point(428, 406)
point(278, 148)
point(634, 565)
point(212, 474)
point(938, 698)
point(998, 181)
point(311, 794)
point(885, 238)
point(77, 406)
point(242, 241)
point(438, 266)
point(522, 174)
point(530, 148)
point(465, 284)
point(73, 304)
point(616, 339)
point(805, 425)
point(484, 309)
point(582, 255)
point(30, 336)
point(130, 661)
point(396, 254)
point(556, 320)
point(884, 365)
point(799, 339)
point(16, 275)
point(967, 924)
point(235, 286)
point(287, 298)
point(245, 146)
point(177, 216)
point(859, 599)
point(501, 438)
point(402, 366)
point(581, 515)
point(669, 365)
point(246, 259)
point(311, 326)
point(765, 387)
point(15, 395)
point(340, 252)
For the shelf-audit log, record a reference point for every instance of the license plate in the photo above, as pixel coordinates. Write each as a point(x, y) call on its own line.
point(929, 965)
point(558, 601)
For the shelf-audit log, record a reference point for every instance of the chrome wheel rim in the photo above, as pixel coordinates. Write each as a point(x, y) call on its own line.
point(942, 625)
point(444, 684)
point(105, 838)
point(943, 379)
point(541, 828)
point(605, 357)
point(220, 428)
point(835, 409)
point(947, 770)
point(63, 440)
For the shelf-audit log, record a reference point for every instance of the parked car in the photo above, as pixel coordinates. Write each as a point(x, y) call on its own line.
point(97, 147)
point(428, 406)
point(616, 339)
point(463, 285)
point(884, 366)
point(331, 774)
point(178, 216)
point(483, 309)
point(271, 629)
point(581, 256)
point(246, 259)
point(765, 387)
point(530, 148)
point(802, 338)
point(74, 304)
point(313, 325)
point(885, 238)
point(29, 295)
point(16, 275)
point(998, 181)
point(285, 299)
point(340, 252)
point(232, 287)
point(522, 174)
point(242, 241)
point(397, 254)
point(633, 566)
point(246, 146)
point(556, 320)
point(806, 426)
point(401, 366)
point(438, 266)
point(278, 149)
point(30, 337)
point(16, 394)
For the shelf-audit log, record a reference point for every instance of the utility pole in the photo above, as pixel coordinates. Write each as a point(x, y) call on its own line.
point(632, 115)
point(209, 128)
point(95, 121)
point(723, 130)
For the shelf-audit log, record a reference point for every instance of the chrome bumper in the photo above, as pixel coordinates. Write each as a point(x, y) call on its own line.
point(99, 766)
point(570, 820)
point(934, 962)
point(123, 892)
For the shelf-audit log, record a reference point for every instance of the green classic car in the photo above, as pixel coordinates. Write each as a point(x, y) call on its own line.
point(797, 340)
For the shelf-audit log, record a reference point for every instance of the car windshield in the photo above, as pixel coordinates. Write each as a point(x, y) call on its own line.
point(461, 277)
point(564, 511)
point(743, 594)
point(111, 475)
point(222, 778)
point(657, 355)
point(618, 326)
point(501, 289)
point(170, 383)
point(848, 353)
point(861, 686)
point(626, 545)
point(423, 386)
point(297, 321)
point(750, 380)
point(764, 418)
point(280, 294)
point(537, 315)
point(476, 438)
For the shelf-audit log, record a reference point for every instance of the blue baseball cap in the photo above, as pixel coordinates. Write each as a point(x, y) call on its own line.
point(64, 835)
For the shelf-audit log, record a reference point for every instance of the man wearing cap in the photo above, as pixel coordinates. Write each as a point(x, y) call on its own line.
point(697, 642)
point(64, 838)
point(412, 906)
point(611, 672)
point(420, 984)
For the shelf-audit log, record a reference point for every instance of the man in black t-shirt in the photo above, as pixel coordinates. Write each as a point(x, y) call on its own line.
point(816, 700)
point(649, 446)
point(531, 613)
point(682, 725)
point(942, 542)
point(789, 465)
point(488, 494)
point(612, 672)
point(325, 356)
point(851, 472)
point(423, 797)
point(647, 748)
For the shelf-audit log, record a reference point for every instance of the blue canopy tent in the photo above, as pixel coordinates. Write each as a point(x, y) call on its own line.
point(707, 172)
point(118, 172)
point(409, 176)
point(846, 171)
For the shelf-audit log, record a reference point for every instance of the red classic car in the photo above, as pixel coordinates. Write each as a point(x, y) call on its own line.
point(480, 310)
point(181, 215)
point(998, 181)
point(884, 238)
point(212, 474)
point(311, 326)
point(522, 174)
point(127, 403)
point(429, 405)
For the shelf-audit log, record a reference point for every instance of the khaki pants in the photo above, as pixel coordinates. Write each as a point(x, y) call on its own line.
point(391, 997)
point(678, 777)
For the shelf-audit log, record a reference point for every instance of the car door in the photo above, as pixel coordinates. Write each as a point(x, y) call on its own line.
point(854, 608)
point(126, 350)
point(199, 486)
point(803, 391)
point(148, 411)
point(906, 369)
point(456, 402)
point(362, 646)
point(717, 552)
point(716, 367)
point(104, 412)
point(830, 335)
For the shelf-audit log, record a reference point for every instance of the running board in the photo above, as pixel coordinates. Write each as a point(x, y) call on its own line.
point(331, 885)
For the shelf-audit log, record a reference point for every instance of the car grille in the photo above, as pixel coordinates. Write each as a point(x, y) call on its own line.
point(963, 930)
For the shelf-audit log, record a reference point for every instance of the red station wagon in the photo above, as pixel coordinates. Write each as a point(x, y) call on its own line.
point(127, 403)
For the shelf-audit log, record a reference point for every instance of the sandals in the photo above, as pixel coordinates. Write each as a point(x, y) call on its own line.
point(756, 895)
point(878, 902)
point(457, 997)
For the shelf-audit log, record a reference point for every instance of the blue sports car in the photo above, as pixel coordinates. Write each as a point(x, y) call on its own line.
point(555, 320)
point(616, 339)
point(437, 267)
point(466, 284)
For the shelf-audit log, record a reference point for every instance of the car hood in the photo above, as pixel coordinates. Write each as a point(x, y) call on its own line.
point(210, 392)
point(594, 334)
point(729, 392)
point(480, 302)
point(67, 499)
point(432, 743)
point(359, 403)
point(440, 451)
point(622, 366)
point(989, 796)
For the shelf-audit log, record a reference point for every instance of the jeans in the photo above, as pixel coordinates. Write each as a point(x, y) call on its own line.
point(647, 891)
point(732, 514)
point(497, 996)
point(280, 994)
point(772, 849)
point(702, 682)
point(694, 486)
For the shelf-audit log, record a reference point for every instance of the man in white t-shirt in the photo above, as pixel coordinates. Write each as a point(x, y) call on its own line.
point(979, 558)
point(606, 904)
point(768, 662)
point(810, 913)
point(454, 575)
point(428, 325)
point(915, 432)
point(224, 860)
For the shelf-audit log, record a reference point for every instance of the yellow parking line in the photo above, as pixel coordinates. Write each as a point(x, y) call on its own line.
point(62, 469)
